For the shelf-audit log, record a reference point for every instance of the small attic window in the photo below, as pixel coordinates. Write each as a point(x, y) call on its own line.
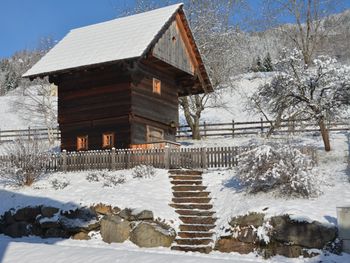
point(157, 85)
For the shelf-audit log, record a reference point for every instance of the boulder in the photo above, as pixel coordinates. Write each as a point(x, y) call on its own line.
point(251, 219)
point(114, 229)
point(230, 244)
point(75, 225)
point(8, 218)
point(136, 214)
point(17, 229)
point(27, 214)
point(56, 232)
point(81, 236)
point(147, 234)
point(47, 222)
point(102, 209)
point(305, 234)
point(48, 211)
point(247, 234)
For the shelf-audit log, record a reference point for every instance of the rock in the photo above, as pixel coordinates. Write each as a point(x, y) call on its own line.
point(17, 229)
point(252, 219)
point(27, 214)
point(102, 209)
point(289, 251)
point(246, 234)
point(45, 222)
point(81, 236)
point(148, 234)
point(230, 244)
point(8, 218)
point(136, 214)
point(305, 234)
point(48, 211)
point(75, 225)
point(56, 232)
point(114, 229)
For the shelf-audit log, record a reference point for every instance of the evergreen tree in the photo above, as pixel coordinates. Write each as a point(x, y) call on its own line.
point(267, 64)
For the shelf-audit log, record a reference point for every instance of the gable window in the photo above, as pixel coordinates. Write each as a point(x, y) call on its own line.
point(157, 85)
point(82, 143)
point(154, 134)
point(108, 140)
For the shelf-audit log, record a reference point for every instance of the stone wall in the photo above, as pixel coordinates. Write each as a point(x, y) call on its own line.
point(115, 225)
point(279, 235)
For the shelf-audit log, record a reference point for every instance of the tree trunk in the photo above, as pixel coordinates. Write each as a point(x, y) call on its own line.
point(325, 135)
point(195, 130)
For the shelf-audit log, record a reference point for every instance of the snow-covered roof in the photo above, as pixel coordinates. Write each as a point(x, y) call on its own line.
point(114, 40)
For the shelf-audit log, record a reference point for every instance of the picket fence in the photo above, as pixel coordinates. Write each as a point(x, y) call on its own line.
point(167, 158)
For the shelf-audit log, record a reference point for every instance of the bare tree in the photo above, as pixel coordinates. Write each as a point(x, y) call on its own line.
point(318, 92)
point(309, 18)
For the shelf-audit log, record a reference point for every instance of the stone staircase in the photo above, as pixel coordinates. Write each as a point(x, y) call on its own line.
point(192, 202)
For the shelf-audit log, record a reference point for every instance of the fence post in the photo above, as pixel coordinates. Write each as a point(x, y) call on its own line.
point(128, 158)
point(64, 160)
point(113, 153)
point(233, 128)
point(205, 129)
point(167, 157)
point(261, 125)
point(204, 158)
point(0, 135)
point(28, 133)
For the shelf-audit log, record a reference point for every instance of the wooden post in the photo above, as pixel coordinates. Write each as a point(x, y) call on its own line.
point(28, 133)
point(167, 157)
point(113, 154)
point(204, 158)
point(261, 125)
point(205, 129)
point(64, 160)
point(0, 135)
point(233, 128)
point(128, 158)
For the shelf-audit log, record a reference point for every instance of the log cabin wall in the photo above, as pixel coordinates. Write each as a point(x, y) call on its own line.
point(93, 102)
point(152, 109)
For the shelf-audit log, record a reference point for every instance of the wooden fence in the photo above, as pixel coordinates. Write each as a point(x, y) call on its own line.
point(167, 158)
point(233, 128)
point(206, 129)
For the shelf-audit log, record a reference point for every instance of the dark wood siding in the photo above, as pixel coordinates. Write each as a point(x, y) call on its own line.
point(157, 110)
point(90, 103)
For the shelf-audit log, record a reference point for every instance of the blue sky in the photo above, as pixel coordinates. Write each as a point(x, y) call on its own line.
point(24, 22)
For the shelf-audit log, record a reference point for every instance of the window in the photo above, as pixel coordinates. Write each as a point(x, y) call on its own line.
point(82, 143)
point(157, 86)
point(154, 134)
point(108, 140)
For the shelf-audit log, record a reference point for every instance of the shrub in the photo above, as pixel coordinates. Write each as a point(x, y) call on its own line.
point(59, 184)
point(27, 161)
point(108, 179)
point(143, 171)
point(278, 168)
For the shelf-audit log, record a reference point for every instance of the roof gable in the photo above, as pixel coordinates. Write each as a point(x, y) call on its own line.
point(114, 40)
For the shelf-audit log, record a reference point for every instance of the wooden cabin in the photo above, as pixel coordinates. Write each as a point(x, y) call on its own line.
point(119, 81)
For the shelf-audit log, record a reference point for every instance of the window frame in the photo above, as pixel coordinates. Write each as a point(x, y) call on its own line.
point(149, 129)
point(109, 146)
point(155, 88)
point(79, 145)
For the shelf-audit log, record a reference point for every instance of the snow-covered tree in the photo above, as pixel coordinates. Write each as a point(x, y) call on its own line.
point(318, 92)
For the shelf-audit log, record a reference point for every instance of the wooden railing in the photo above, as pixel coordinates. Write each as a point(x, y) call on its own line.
point(166, 158)
point(233, 128)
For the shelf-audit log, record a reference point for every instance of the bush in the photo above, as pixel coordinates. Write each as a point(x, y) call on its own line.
point(143, 171)
point(108, 179)
point(278, 168)
point(27, 161)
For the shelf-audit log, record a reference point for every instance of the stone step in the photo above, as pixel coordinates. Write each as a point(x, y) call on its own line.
point(185, 177)
point(195, 228)
point(201, 249)
point(194, 212)
point(186, 182)
point(205, 220)
point(193, 241)
point(185, 172)
point(191, 200)
point(192, 234)
point(190, 188)
point(192, 206)
point(191, 194)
